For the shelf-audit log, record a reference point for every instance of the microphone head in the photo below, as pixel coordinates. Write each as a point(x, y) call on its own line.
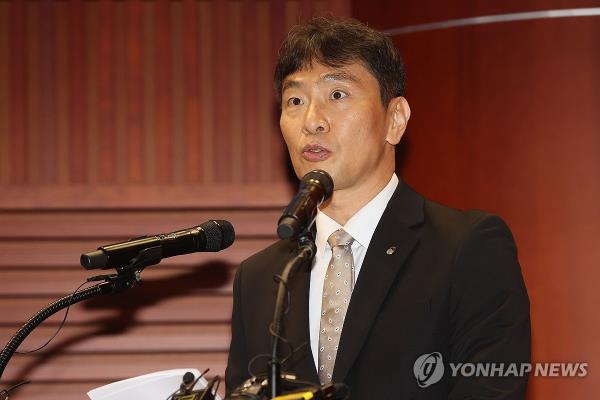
point(320, 178)
point(315, 187)
point(188, 378)
point(219, 234)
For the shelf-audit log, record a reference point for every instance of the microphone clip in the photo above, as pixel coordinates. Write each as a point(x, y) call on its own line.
point(130, 274)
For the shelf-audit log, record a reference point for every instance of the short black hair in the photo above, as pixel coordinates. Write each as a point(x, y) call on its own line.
point(336, 43)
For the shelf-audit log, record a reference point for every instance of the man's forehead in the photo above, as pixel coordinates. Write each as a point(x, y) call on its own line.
point(353, 73)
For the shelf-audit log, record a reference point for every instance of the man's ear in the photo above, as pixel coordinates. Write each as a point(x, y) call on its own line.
point(398, 114)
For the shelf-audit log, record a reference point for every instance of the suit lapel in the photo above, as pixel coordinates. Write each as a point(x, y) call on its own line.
point(379, 270)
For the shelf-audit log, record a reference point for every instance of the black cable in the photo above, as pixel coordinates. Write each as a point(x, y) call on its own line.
point(4, 393)
point(59, 327)
point(209, 391)
point(284, 340)
point(173, 394)
point(191, 385)
point(294, 351)
point(252, 360)
point(279, 279)
point(217, 388)
point(60, 304)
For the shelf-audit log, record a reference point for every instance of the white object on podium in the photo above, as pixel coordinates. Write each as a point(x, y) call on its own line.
point(153, 386)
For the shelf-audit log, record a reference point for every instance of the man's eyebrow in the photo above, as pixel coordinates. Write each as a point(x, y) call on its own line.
point(339, 76)
point(331, 76)
point(289, 84)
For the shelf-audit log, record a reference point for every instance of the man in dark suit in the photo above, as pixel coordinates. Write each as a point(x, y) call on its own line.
point(402, 290)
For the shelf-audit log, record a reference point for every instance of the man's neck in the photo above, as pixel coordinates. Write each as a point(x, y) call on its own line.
point(345, 203)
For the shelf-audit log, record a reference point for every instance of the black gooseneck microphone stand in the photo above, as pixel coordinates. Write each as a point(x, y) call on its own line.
point(306, 252)
point(124, 279)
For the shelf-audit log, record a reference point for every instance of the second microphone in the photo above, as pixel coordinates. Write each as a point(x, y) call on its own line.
point(214, 235)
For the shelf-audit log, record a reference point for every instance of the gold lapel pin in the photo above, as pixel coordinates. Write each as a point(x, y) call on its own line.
point(391, 250)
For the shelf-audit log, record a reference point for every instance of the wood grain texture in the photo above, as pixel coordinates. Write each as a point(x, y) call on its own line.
point(145, 92)
point(95, 197)
point(119, 119)
point(54, 225)
point(4, 91)
point(196, 276)
point(161, 338)
point(393, 14)
point(17, 68)
point(130, 308)
point(85, 367)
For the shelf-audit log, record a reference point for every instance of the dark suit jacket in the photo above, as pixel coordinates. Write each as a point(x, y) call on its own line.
point(453, 286)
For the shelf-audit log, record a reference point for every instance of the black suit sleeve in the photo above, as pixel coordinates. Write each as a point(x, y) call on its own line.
point(237, 363)
point(489, 313)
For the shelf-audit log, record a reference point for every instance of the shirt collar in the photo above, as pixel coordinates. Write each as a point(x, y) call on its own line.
point(361, 225)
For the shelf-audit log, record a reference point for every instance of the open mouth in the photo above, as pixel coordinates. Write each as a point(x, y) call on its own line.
point(315, 152)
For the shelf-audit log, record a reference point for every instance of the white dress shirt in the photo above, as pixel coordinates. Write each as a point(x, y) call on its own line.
point(361, 227)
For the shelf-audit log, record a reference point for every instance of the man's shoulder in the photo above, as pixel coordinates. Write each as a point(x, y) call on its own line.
point(459, 225)
point(269, 259)
point(455, 224)
point(411, 208)
point(450, 218)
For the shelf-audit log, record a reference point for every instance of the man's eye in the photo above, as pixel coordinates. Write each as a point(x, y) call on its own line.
point(338, 94)
point(294, 101)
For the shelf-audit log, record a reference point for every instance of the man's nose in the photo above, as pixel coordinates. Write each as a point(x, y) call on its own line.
point(315, 120)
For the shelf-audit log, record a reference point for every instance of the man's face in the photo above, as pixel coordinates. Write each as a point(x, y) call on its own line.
point(333, 119)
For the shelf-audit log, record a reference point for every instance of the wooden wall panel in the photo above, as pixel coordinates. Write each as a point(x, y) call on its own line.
point(124, 118)
point(4, 89)
point(163, 92)
point(85, 367)
point(159, 337)
point(81, 224)
point(175, 307)
point(389, 14)
point(505, 118)
point(57, 282)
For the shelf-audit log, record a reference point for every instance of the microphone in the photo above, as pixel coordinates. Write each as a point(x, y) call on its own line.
point(187, 392)
point(186, 384)
point(209, 236)
point(299, 215)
